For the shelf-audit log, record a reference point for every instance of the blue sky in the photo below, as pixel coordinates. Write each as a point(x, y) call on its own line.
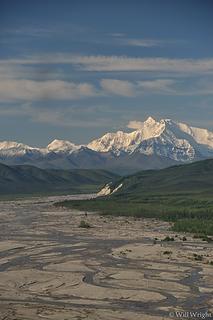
point(77, 69)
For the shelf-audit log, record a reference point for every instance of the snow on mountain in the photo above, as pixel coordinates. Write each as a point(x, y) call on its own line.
point(107, 189)
point(15, 149)
point(12, 148)
point(153, 144)
point(127, 142)
point(166, 138)
point(12, 145)
point(62, 146)
point(201, 136)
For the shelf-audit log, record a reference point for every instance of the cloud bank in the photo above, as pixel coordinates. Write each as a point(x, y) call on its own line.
point(44, 90)
point(119, 63)
point(118, 87)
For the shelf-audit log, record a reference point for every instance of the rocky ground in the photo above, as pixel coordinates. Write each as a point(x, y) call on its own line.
point(119, 268)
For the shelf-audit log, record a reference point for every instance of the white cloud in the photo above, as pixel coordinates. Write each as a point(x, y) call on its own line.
point(135, 125)
point(24, 79)
point(41, 90)
point(116, 63)
point(177, 87)
point(131, 89)
point(118, 87)
point(119, 63)
point(147, 43)
point(60, 116)
point(157, 85)
point(122, 63)
point(31, 90)
point(117, 34)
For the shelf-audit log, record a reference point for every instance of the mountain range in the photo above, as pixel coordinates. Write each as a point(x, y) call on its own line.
point(25, 179)
point(154, 145)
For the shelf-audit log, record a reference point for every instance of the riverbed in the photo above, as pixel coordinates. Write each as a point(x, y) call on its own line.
point(119, 268)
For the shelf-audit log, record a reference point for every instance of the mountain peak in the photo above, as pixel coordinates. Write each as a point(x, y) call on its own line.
point(150, 120)
point(165, 138)
point(16, 149)
point(62, 146)
point(13, 144)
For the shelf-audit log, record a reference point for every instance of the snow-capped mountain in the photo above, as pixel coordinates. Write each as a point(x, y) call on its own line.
point(166, 138)
point(59, 154)
point(62, 146)
point(13, 149)
point(155, 144)
point(127, 142)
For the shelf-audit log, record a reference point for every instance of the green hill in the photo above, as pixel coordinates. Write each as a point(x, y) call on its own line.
point(196, 177)
point(28, 179)
point(182, 194)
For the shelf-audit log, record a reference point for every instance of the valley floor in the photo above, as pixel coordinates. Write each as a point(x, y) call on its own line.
point(118, 269)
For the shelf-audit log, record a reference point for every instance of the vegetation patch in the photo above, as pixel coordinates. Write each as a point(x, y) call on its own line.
point(167, 238)
point(84, 224)
point(195, 216)
point(167, 252)
point(200, 227)
point(181, 195)
point(198, 257)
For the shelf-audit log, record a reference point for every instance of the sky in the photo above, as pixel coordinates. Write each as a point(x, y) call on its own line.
point(76, 69)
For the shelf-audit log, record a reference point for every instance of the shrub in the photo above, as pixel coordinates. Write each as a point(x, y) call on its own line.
point(198, 257)
point(208, 239)
point(84, 224)
point(167, 238)
point(167, 252)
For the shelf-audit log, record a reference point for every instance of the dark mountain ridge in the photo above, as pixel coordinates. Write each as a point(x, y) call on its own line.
point(22, 179)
